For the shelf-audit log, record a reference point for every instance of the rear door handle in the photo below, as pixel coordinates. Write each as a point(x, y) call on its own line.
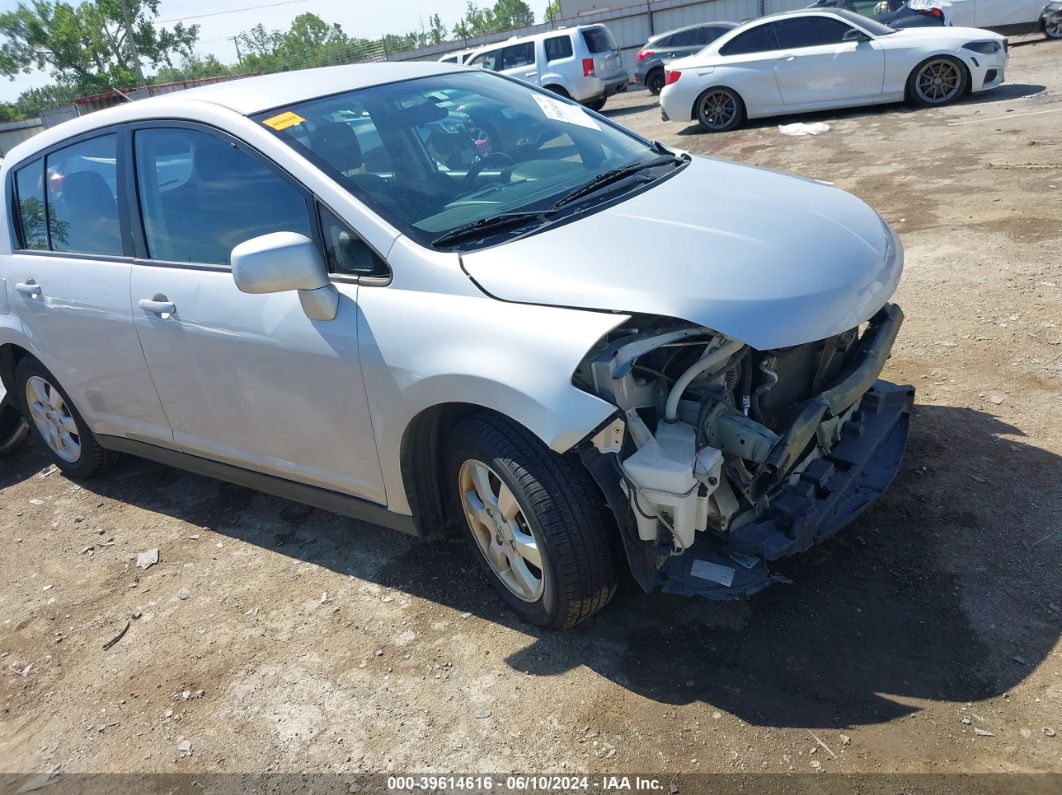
point(158, 305)
point(29, 288)
point(789, 57)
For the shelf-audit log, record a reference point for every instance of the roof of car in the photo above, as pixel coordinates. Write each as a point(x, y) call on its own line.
point(246, 96)
point(254, 94)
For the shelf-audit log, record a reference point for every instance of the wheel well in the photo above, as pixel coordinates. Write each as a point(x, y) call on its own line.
point(421, 457)
point(10, 354)
point(653, 71)
point(558, 89)
point(962, 65)
point(734, 91)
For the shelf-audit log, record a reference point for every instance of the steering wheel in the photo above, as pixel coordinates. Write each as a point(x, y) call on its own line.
point(477, 167)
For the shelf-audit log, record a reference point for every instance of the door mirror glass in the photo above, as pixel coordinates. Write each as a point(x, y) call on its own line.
point(855, 35)
point(282, 261)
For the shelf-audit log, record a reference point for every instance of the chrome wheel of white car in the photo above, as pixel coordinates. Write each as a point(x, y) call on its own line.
point(535, 521)
point(938, 81)
point(498, 525)
point(53, 419)
point(719, 110)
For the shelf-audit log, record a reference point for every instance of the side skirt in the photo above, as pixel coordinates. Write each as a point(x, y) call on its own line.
point(324, 499)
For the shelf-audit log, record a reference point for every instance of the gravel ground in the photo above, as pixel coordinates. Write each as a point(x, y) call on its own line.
point(925, 638)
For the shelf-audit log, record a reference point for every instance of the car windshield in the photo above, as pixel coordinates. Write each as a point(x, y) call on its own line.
point(871, 26)
point(437, 153)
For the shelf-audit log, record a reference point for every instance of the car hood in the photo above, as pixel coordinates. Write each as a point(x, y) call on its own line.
point(767, 258)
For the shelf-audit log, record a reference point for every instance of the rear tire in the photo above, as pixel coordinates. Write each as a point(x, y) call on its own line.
point(539, 533)
point(1053, 32)
point(595, 104)
point(654, 81)
point(937, 81)
point(719, 109)
point(559, 91)
point(56, 424)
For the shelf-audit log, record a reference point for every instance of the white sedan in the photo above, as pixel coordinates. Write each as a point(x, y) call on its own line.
point(826, 58)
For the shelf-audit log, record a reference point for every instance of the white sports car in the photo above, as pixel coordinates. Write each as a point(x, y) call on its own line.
point(818, 59)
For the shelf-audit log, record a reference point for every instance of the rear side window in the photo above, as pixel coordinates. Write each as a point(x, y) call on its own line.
point(710, 33)
point(201, 196)
point(82, 199)
point(759, 39)
point(29, 185)
point(685, 38)
point(598, 39)
point(809, 32)
point(558, 47)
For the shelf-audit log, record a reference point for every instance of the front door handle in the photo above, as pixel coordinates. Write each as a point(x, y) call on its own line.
point(29, 288)
point(159, 305)
point(789, 57)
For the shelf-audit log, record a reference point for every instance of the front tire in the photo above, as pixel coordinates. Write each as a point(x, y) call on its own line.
point(937, 81)
point(56, 424)
point(534, 520)
point(719, 109)
point(1053, 32)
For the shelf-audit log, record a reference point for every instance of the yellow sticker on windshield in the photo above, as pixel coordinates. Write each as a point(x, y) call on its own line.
point(284, 120)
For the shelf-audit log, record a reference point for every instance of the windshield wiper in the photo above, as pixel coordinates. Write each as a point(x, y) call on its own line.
point(490, 224)
point(612, 176)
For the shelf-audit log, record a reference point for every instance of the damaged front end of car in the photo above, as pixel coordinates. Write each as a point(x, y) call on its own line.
point(722, 458)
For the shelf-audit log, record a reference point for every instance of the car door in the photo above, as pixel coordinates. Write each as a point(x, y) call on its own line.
point(1008, 14)
point(754, 52)
point(249, 380)
point(69, 283)
point(816, 66)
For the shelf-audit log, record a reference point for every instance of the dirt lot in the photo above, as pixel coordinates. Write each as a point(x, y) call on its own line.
point(925, 638)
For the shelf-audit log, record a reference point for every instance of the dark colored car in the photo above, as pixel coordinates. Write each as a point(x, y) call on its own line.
point(665, 47)
point(894, 13)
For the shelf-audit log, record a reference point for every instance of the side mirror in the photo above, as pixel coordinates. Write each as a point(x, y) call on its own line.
point(283, 261)
point(855, 35)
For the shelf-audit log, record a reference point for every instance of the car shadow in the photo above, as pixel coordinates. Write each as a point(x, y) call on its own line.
point(897, 607)
point(1008, 91)
point(630, 110)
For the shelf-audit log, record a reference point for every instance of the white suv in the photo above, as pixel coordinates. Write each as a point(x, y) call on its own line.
point(426, 295)
point(583, 62)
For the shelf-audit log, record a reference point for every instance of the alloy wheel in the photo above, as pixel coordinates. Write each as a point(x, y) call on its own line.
point(53, 419)
point(1053, 31)
point(938, 82)
point(501, 532)
point(719, 110)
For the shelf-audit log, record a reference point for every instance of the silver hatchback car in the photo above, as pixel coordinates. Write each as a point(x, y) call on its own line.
point(428, 296)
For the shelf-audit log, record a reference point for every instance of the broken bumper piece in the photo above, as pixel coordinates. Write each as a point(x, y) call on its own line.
point(830, 493)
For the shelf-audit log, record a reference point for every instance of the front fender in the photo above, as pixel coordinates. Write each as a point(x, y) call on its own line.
point(420, 350)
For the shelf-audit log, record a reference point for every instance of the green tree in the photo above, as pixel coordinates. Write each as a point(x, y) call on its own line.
point(87, 45)
point(193, 67)
point(508, 14)
point(553, 11)
point(437, 30)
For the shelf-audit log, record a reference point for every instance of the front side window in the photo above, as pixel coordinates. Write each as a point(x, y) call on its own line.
point(518, 55)
point(29, 185)
point(82, 198)
point(346, 253)
point(200, 196)
point(809, 32)
point(461, 148)
point(558, 47)
point(491, 60)
point(759, 39)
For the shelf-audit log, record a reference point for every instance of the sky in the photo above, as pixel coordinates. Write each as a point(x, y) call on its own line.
point(360, 18)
